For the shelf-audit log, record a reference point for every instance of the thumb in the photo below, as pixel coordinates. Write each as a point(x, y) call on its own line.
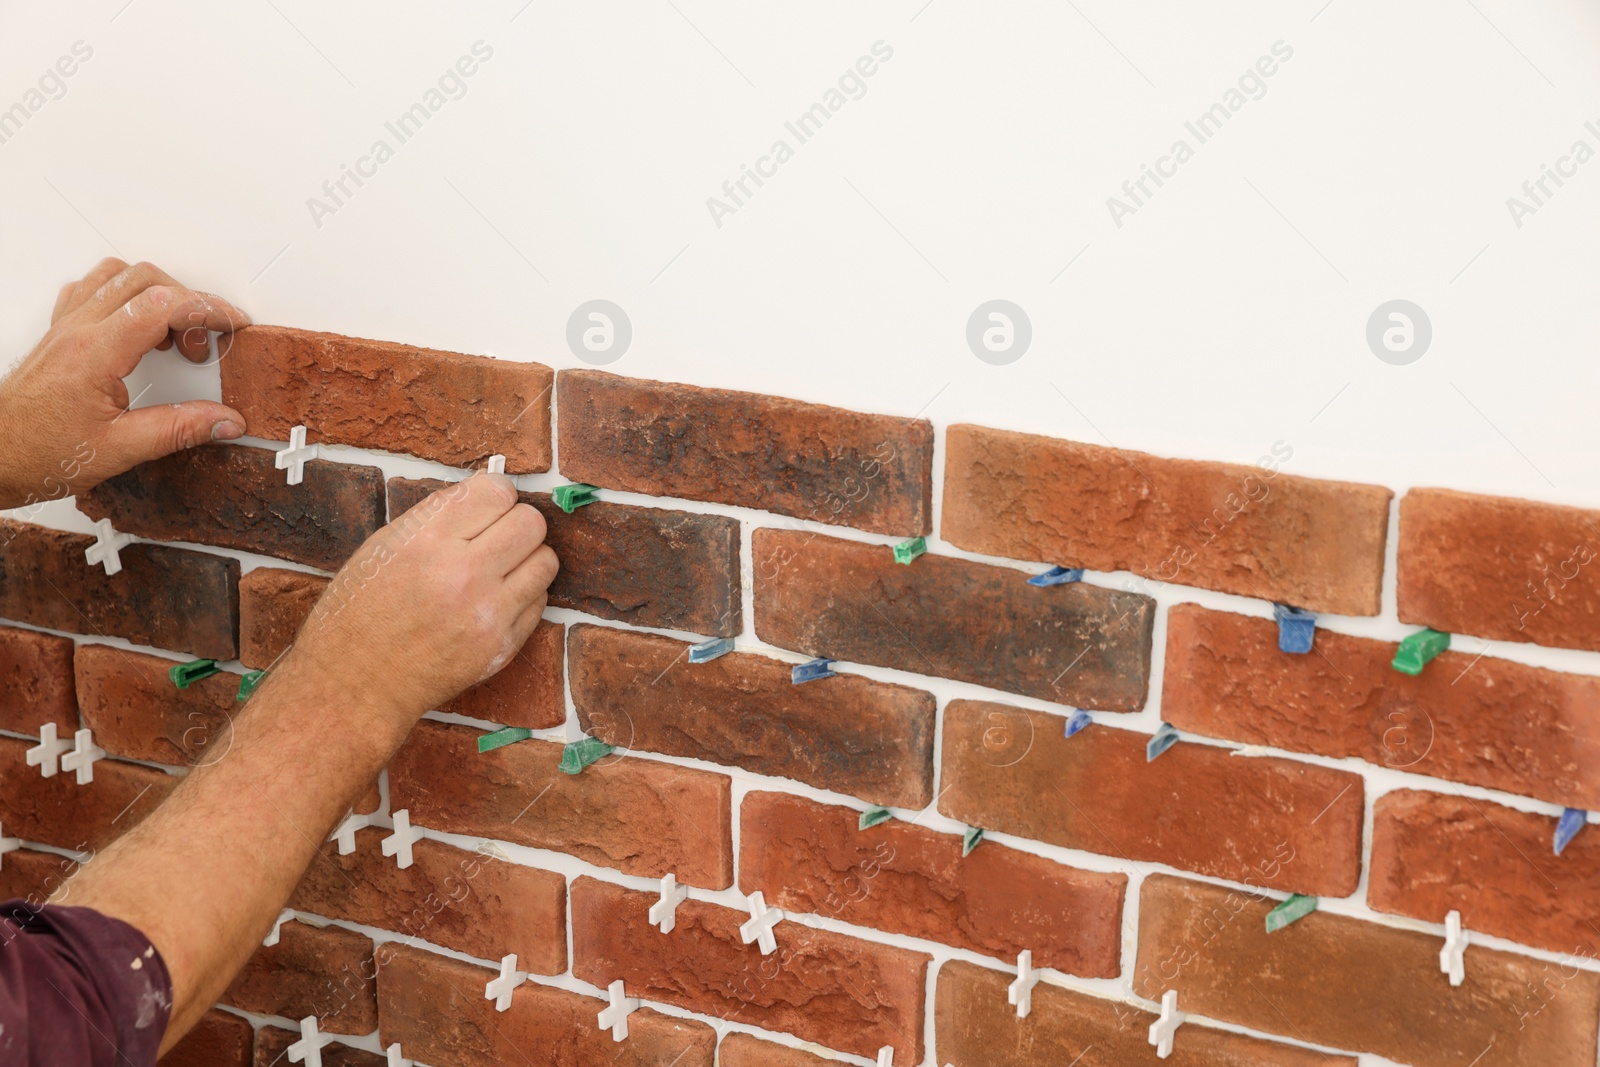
point(149, 433)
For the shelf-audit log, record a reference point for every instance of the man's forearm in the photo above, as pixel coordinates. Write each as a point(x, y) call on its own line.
point(205, 876)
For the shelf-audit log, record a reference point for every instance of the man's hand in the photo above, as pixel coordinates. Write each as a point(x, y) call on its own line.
point(432, 604)
point(65, 409)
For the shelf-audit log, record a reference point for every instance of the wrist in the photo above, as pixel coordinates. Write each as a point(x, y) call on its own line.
point(327, 698)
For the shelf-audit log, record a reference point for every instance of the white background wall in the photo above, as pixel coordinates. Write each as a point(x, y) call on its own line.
point(1226, 314)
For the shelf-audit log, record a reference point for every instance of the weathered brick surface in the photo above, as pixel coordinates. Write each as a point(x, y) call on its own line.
point(974, 1024)
point(1468, 718)
point(870, 739)
point(221, 1040)
point(906, 879)
point(1358, 985)
point(742, 1050)
point(435, 1008)
point(1264, 821)
point(32, 876)
point(1074, 644)
point(58, 811)
point(165, 597)
point(873, 472)
point(272, 1050)
point(1433, 854)
point(135, 711)
point(468, 901)
point(444, 406)
point(1251, 530)
point(235, 497)
point(637, 816)
point(36, 684)
point(852, 995)
point(646, 566)
point(274, 604)
point(1507, 569)
point(327, 972)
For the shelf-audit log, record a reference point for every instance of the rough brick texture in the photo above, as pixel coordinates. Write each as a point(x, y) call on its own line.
point(1254, 531)
point(326, 972)
point(274, 604)
point(1433, 854)
point(472, 902)
point(444, 406)
point(1264, 821)
point(221, 1040)
point(58, 811)
point(272, 1050)
point(1353, 984)
point(646, 566)
point(1468, 718)
point(235, 497)
point(638, 816)
point(1512, 570)
point(1073, 644)
point(32, 876)
point(135, 711)
point(165, 597)
point(852, 995)
point(36, 683)
point(870, 739)
point(436, 1009)
point(873, 472)
point(906, 879)
point(742, 1050)
point(975, 1025)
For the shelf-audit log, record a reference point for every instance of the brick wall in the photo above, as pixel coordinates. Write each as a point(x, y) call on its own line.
point(1394, 799)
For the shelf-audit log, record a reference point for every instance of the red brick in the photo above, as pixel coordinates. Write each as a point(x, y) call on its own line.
point(873, 472)
point(36, 684)
point(528, 691)
point(272, 1050)
point(32, 876)
point(165, 597)
point(1468, 718)
point(472, 902)
point(219, 1040)
point(1251, 530)
point(1264, 821)
point(1501, 568)
point(852, 995)
point(670, 569)
point(444, 406)
point(327, 972)
point(742, 1050)
point(854, 735)
point(1348, 983)
point(974, 1024)
point(907, 879)
point(637, 816)
point(136, 712)
point(58, 811)
point(1433, 854)
point(436, 1009)
point(236, 497)
point(1073, 644)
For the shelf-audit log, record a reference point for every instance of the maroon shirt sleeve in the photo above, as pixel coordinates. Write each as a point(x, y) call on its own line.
point(78, 989)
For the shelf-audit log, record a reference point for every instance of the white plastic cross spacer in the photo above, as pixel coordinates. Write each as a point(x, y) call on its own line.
point(395, 1059)
point(308, 1049)
point(1162, 1030)
point(8, 844)
point(398, 844)
point(108, 545)
point(497, 464)
point(664, 912)
point(294, 458)
point(762, 920)
point(46, 755)
point(346, 833)
point(499, 989)
point(277, 927)
point(1020, 992)
point(886, 1056)
point(84, 755)
point(1452, 958)
point(615, 1017)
